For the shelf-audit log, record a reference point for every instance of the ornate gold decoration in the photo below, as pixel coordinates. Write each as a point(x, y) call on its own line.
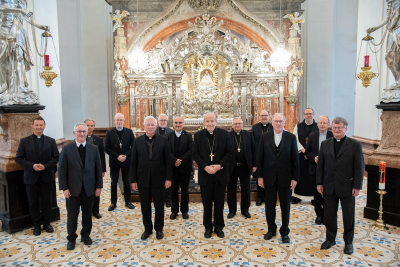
point(48, 76)
point(122, 99)
point(291, 99)
point(366, 76)
point(379, 224)
point(368, 38)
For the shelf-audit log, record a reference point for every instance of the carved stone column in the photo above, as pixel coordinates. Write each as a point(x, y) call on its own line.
point(157, 107)
point(236, 84)
point(170, 104)
point(178, 98)
point(133, 104)
point(281, 98)
point(243, 100)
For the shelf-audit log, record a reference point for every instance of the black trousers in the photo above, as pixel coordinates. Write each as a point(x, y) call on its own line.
point(213, 192)
point(260, 190)
point(114, 173)
point(73, 206)
point(146, 194)
point(180, 180)
point(318, 200)
point(285, 195)
point(243, 174)
point(96, 205)
point(167, 194)
point(331, 204)
point(35, 192)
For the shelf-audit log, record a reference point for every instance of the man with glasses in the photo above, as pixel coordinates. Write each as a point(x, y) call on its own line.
point(151, 174)
point(305, 186)
point(312, 151)
point(162, 129)
point(180, 143)
point(118, 146)
point(257, 130)
point(241, 166)
point(80, 178)
point(278, 172)
point(340, 173)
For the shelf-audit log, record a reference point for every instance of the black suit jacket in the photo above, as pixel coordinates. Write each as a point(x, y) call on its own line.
point(312, 149)
point(113, 149)
point(71, 173)
point(343, 173)
point(167, 131)
point(222, 151)
point(27, 156)
point(256, 130)
point(249, 150)
point(158, 168)
point(281, 167)
point(97, 141)
point(184, 153)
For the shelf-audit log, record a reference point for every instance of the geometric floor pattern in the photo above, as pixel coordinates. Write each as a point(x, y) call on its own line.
point(116, 241)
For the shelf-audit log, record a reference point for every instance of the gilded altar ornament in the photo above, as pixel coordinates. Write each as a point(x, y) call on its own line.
point(48, 76)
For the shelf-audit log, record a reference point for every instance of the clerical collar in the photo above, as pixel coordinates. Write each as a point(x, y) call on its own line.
point(89, 136)
point(119, 129)
point(237, 132)
point(162, 129)
point(211, 132)
point(340, 140)
point(265, 125)
point(38, 137)
point(148, 137)
point(78, 144)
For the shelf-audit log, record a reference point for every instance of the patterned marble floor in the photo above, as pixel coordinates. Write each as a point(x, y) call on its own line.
point(117, 241)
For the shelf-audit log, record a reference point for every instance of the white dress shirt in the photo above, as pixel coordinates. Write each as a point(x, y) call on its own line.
point(277, 138)
point(178, 134)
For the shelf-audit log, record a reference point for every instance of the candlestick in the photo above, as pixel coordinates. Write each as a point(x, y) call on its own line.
point(380, 224)
point(47, 60)
point(366, 61)
point(382, 174)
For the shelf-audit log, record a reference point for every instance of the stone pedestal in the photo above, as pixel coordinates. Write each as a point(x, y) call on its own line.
point(16, 123)
point(388, 151)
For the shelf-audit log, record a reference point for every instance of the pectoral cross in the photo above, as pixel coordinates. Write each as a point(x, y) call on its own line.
point(120, 145)
point(238, 149)
point(212, 156)
point(306, 140)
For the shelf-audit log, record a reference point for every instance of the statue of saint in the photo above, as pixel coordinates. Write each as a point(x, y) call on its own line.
point(392, 22)
point(119, 78)
point(15, 54)
point(294, 80)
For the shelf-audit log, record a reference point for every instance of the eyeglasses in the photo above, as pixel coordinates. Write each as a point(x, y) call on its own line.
point(162, 120)
point(306, 114)
point(264, 115)
point(323, 123)
point(279, 121)
point(80, 132)
point(239, 123)
point(337, 128)
point(178, 122)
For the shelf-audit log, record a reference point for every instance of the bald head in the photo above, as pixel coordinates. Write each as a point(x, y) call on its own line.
point(119, 120)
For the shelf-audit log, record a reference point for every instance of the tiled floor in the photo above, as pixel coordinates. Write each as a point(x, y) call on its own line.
point(117, 241)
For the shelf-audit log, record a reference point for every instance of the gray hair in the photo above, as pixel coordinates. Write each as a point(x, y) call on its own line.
point(237, 118)
point(339, 120)
point(283, 116)
point(79, 124)
point(89, 120)
point(325, 117)
point(149, 117)
point(119, 114)
point(311, 109)
point(162, 114)
point(215, 117)
point(264, 110)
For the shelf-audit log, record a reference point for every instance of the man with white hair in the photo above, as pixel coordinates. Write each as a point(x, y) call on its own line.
point(118, 146)
point(163, 129)
point(151, 174)
point(278, 173)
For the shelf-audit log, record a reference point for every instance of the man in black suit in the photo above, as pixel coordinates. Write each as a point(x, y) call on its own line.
point(38, 154)
point(257, 130)
point(241, 166)
point(151, 173)
point(163, 129)
point(212, 151)
point(118, 146)
point(97, 141)
point(278, 172)
point(340, 173)
point(312, 150)
point(80, 178)
point(181, 153)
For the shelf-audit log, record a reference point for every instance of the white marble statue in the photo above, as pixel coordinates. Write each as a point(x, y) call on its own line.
point(120, 84)
point(294, 80)
point(15, 54)
point(117, 17)
point(296, 20)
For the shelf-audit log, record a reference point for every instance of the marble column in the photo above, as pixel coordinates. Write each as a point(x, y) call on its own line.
point(178, 98)
point(236, 84)
point(281, 98)
point(170, 110)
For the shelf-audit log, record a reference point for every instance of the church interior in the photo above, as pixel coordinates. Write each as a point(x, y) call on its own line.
point(187, 58)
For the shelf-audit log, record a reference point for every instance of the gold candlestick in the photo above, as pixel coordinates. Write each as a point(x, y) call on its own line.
point(379, 224)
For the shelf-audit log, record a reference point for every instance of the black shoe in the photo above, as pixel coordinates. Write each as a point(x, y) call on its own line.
point(159, 235)
point(145, 235)
point(129, 205)
point(348, 249)
point(112, 207)
point(173, 216)
point(259, 202)
point(295, 200)
point(285, 239)
point(328, 244)
point(207, 233)
point(231, 215)
point(318, 220)
point(168, 204)
point(219, 233)
point(247, 215)
point(71, 245)
point(87, 240)
point(269, 235)
point(313, 202)
point(48, 228)
point(185, 216)
point(37, 230)
point(97, 216)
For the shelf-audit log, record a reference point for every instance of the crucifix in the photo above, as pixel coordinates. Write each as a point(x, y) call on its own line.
point(238, 149)
point(212, 156)
point(120, 145)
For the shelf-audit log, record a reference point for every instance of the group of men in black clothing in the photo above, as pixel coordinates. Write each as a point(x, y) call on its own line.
point(161, 159)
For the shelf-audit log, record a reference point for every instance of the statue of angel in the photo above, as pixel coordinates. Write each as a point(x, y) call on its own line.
point(117, 17)
point(15, 53)
point(119, 78)
point(295, 19)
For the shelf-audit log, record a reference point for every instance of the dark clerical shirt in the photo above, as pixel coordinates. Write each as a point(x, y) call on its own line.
point(265, 128)
point(149, 140)
point(89, 139)
point(210, 143)
point(38, 142)
point(239, 143)
point(177, 144)
point(161, 131)
point(338, 145)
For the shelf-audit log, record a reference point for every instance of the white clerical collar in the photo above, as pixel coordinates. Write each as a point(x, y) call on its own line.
point(119, 129)
point(237, 132)
point(264, 125)
point(40, 136)
point(78, 144)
